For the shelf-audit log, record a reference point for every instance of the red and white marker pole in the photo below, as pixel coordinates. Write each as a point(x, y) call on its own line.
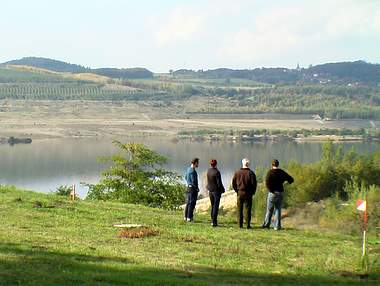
point(361, 205)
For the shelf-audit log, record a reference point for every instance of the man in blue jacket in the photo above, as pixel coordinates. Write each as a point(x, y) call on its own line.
point(192, 190)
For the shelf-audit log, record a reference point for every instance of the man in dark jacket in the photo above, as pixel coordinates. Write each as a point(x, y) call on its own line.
point(192, 190)
point(215, 189)
point(274, 182)
point(244, 184)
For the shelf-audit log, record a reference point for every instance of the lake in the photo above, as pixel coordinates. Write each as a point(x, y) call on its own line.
point(46, 164)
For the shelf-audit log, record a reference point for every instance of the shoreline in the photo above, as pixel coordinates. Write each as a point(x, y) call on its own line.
point(92, 119)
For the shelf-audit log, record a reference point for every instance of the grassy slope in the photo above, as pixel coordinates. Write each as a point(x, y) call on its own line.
point(64, 243)
point(90, 77)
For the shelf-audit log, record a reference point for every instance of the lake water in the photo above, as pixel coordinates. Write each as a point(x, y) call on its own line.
point(46, 164)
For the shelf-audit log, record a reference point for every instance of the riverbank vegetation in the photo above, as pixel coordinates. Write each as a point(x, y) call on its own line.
point(323, 134)
point(136, 176)
point(336, 182)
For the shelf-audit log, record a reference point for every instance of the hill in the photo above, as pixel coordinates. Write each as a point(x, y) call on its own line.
point(332, 91)
point(49, 64)
point(31, 83)
point(48, 240)
point(342, 72)
point(60, 66)
point(124, 73)
point(358, 71)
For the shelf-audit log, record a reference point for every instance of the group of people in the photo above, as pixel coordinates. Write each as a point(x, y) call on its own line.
point(244, 183)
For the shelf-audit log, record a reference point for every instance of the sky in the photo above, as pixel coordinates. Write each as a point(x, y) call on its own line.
point(194, 34)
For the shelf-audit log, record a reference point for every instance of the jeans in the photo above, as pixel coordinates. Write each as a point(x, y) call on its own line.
point(274, 203)
point(244, 201)
point(215, 200)
point(191, 201)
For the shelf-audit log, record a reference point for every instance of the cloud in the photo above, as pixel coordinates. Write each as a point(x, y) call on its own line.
point(182, 24)
point(353, 18)
point(270, 35)
point(277, 32)
point(190, 21)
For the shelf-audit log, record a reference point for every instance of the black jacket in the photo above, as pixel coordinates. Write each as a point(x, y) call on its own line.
point(214, 181)
point(275, 179)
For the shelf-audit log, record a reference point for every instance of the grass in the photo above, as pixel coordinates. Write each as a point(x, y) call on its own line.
point(58, 242)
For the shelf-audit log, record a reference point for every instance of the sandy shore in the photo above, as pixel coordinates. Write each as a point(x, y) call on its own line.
point(58, 119)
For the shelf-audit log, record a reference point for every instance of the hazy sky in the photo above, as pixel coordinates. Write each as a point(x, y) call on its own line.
point(172, 34)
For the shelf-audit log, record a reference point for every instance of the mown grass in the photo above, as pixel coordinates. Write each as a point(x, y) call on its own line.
point(58, 242)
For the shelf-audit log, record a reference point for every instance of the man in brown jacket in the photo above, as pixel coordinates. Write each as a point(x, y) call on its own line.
point(244, 184)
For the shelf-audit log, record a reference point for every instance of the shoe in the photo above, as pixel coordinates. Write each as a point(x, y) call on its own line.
point(189, 220)
point(185, 218)
point(249, 227)
point(275, 228)
point(265, 226)
point(214, 225)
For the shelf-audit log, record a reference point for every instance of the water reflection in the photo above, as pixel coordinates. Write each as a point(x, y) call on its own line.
point(46, 164)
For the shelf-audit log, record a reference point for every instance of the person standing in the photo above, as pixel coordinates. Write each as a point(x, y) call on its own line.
point(274, 182)
point(244, 184)
point(215, 188)
point(192, 190)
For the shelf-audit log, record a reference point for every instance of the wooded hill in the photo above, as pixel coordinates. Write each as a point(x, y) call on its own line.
point(358, 72)
point(341, 90)
point(60, 66)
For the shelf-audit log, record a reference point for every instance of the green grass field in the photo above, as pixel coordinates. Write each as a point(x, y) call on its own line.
point(48, 240)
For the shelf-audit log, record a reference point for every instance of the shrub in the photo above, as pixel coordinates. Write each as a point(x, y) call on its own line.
point(344, 216)
point(136, 176)
point(63, 190)
point(260, 203)
point(330, 176)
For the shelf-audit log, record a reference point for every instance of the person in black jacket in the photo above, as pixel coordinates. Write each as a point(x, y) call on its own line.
point(215, 189)
point(274, 182)
point(244, 184)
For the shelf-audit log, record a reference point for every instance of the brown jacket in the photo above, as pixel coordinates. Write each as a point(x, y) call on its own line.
point(244, 181)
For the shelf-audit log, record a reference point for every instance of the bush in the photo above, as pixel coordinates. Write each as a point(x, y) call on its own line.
point(344, 216)
point(260, 203)
point(330, 176)
point(137, 177)
point(63, 190)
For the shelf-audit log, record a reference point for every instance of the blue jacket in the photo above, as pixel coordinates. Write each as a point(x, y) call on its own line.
point(191, 178)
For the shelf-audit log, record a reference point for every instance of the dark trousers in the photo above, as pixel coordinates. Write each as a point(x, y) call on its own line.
point(191, 201)
point(215, 200)
point(244, 202)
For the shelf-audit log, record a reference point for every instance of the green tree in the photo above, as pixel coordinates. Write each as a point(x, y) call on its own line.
point(136, 176)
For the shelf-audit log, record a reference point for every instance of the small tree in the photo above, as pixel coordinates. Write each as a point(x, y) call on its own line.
point(137, 177)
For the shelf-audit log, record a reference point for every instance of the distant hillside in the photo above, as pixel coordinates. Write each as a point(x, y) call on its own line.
point(124, 73)
point(343, 72)
point(60, 66)
point(48, 64)
point(359, 71)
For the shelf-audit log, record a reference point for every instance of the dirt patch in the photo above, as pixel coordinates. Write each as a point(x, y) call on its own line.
point(137, 232)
